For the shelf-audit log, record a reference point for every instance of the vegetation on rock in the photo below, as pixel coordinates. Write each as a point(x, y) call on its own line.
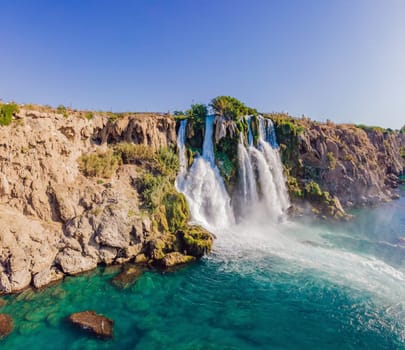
point(100, 164)
point(195, 240)
point(6, 113)
point(230, 108)
point(195, 128)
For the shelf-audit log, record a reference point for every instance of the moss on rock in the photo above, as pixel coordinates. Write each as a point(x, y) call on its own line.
point(195, 240)
point(177, 211)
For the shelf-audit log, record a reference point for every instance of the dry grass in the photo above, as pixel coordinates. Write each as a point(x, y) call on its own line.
point(100, 164)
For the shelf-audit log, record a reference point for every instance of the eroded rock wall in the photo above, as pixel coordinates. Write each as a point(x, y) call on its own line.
point(54, 220)
point(358, 167)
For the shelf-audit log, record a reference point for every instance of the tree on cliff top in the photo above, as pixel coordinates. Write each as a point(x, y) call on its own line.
point(230, 108)
point(197, 114)
point(402, 131)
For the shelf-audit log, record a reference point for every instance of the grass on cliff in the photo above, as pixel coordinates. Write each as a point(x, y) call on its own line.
point(6, 113)
point(99, 164)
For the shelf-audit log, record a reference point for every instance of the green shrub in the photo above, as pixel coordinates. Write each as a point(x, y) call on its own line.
point(368, 128)
point(100, 164)
point(176, 209)
point(196, 115)
point(89, 116)
point(230, 108)
point(61, 109)
point(6, 113)
point(167, 162)
point(312, 189)
point(332, 160)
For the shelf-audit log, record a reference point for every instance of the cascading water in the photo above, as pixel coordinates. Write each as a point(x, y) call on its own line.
point(203, 185)
point(247, 194)
point(261, 167)
point(268, 144)
point(181, 135)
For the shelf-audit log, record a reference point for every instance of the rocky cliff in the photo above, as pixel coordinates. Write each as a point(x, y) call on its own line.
point(358, 165)
point(54, 220)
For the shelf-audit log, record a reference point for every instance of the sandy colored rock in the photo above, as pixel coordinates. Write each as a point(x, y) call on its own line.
point(46, 277)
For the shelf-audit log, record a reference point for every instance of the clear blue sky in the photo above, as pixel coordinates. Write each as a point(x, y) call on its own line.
point(337, 59)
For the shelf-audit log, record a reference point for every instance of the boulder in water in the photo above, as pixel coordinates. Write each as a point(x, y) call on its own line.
point(128, 276)
point(98, 325)
point(173, 259)
point(6, 325)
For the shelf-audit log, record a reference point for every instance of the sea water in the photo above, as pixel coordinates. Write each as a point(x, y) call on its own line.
point(295, 286)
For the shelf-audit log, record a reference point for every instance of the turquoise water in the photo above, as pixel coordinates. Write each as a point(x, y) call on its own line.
point(294, 287)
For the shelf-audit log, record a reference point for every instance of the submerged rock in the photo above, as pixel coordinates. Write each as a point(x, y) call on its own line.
point(93, 323)
point(6, 325)
point(173, 259)
point(128, 276)
point(3, 302)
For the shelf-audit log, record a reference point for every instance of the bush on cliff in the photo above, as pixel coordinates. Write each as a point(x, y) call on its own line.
point(230, 108)
point(6, 113)
point(195, 127)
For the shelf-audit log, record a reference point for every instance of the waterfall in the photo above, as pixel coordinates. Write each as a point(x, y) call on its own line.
point(250, 134)
point(261, 188)
point(261, 168)
point(268, 144)
point(181, 137)
point(247, 184)
point(267, 132)
point(203, 185)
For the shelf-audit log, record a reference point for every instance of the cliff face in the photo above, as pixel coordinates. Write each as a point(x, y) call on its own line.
point(56, 221)
point(357, 166)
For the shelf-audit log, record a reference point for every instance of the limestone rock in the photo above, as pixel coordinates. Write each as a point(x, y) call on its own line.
point(91, 322)
point(359, 167)
point(73, 262)
point(46, 277)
